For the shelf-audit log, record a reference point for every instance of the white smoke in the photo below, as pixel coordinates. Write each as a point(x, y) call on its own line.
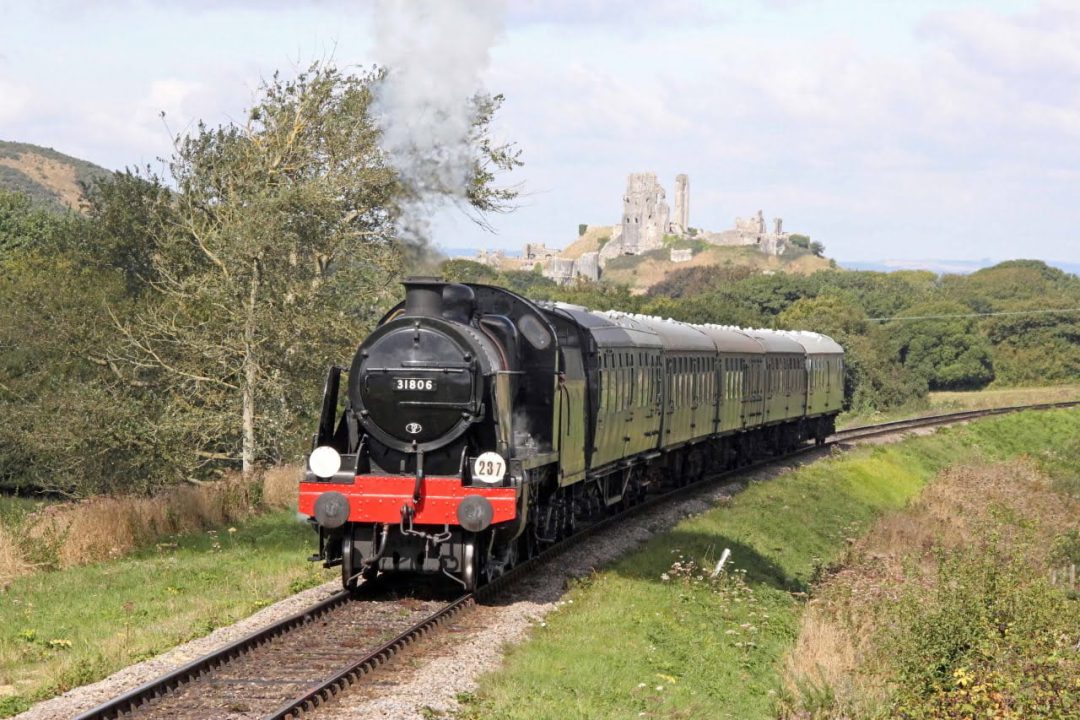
point(434, 53)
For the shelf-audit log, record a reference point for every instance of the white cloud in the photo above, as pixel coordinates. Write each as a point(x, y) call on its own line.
point(15, 100)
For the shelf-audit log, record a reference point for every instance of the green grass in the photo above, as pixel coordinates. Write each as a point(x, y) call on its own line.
point(13, 508)
point(633, 642)
point(75, 626)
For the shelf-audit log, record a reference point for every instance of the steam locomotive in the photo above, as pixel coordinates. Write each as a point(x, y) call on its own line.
point(479, 427)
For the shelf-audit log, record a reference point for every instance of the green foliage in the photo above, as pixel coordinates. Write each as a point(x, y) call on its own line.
point(992, 636)
point(946, 350)
point(799, 240)
point(70, 422)
point(872, 376)
point(689, 282)
point(895, 363)
point(26, 225)
point(468, 271)
point(817, 249)
point(581, 228)
point(1062, 464)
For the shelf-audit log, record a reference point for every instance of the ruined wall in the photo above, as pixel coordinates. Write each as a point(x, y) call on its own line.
point(682, 203)
point(645, 214)
point(752, 231)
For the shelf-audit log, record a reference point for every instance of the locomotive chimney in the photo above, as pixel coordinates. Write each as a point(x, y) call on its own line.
point(423, 296)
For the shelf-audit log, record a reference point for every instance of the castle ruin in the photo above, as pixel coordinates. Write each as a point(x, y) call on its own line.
point(646, 222)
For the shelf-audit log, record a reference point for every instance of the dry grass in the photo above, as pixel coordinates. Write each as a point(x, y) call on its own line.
point(12, 563)
point(103, 528)
point(832, 670)
point(280, 487)
point(1003, 397)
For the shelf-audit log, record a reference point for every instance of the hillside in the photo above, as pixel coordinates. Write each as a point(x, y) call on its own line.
point(641, 272)
point(51, 179)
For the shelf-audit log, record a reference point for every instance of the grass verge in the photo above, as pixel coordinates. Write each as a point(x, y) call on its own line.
point(73, 626)
point(955, 607)
point(655, 636)
point(37, 535)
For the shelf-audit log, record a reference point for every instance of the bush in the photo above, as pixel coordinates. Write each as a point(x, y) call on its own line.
point(992, 639)
point(801, 241)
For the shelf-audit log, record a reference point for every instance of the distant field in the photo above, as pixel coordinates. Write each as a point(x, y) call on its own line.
point(1003, 397)
point(941, 402)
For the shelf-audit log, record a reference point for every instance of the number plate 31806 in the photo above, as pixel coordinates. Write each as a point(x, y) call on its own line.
point(414, 384)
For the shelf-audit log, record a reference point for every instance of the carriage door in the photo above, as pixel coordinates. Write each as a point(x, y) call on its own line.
point(573, 407)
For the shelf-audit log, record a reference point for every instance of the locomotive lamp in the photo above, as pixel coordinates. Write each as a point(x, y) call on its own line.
point(324, 461)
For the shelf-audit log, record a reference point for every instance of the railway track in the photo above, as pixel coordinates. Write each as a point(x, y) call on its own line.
point(295, 665)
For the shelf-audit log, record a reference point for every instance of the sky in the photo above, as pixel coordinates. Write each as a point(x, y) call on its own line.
point(882, 128)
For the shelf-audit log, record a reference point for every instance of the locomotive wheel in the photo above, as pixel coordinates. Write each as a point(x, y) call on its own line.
point(349, 576)
point(470, 572)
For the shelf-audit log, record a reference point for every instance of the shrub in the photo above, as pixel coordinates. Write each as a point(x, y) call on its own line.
point(992, 639)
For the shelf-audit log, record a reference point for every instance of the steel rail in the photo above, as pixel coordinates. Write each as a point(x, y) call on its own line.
point(137, 697)
point(337, 683)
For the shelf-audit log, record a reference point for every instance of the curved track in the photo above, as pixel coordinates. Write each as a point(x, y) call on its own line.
point(313, 656)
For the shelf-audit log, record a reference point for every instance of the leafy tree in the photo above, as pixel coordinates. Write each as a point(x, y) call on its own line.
point(269, 260)
point(800, 241)
point(71, 423)
point(23, 224)
point(468, 271)
point(873, 379)
point(129, 212)
point(945, 349)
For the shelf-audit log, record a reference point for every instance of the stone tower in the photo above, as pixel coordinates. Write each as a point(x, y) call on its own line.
point(645, 214)
point(682, 202)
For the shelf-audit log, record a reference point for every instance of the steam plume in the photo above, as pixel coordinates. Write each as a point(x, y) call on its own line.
point(434, 52)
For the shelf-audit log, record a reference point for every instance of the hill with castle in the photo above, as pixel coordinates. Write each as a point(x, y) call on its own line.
point(650, 241)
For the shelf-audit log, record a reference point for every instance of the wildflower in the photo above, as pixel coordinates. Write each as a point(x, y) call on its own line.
point(232, 530)
point(659, 688)
point(665, 577)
